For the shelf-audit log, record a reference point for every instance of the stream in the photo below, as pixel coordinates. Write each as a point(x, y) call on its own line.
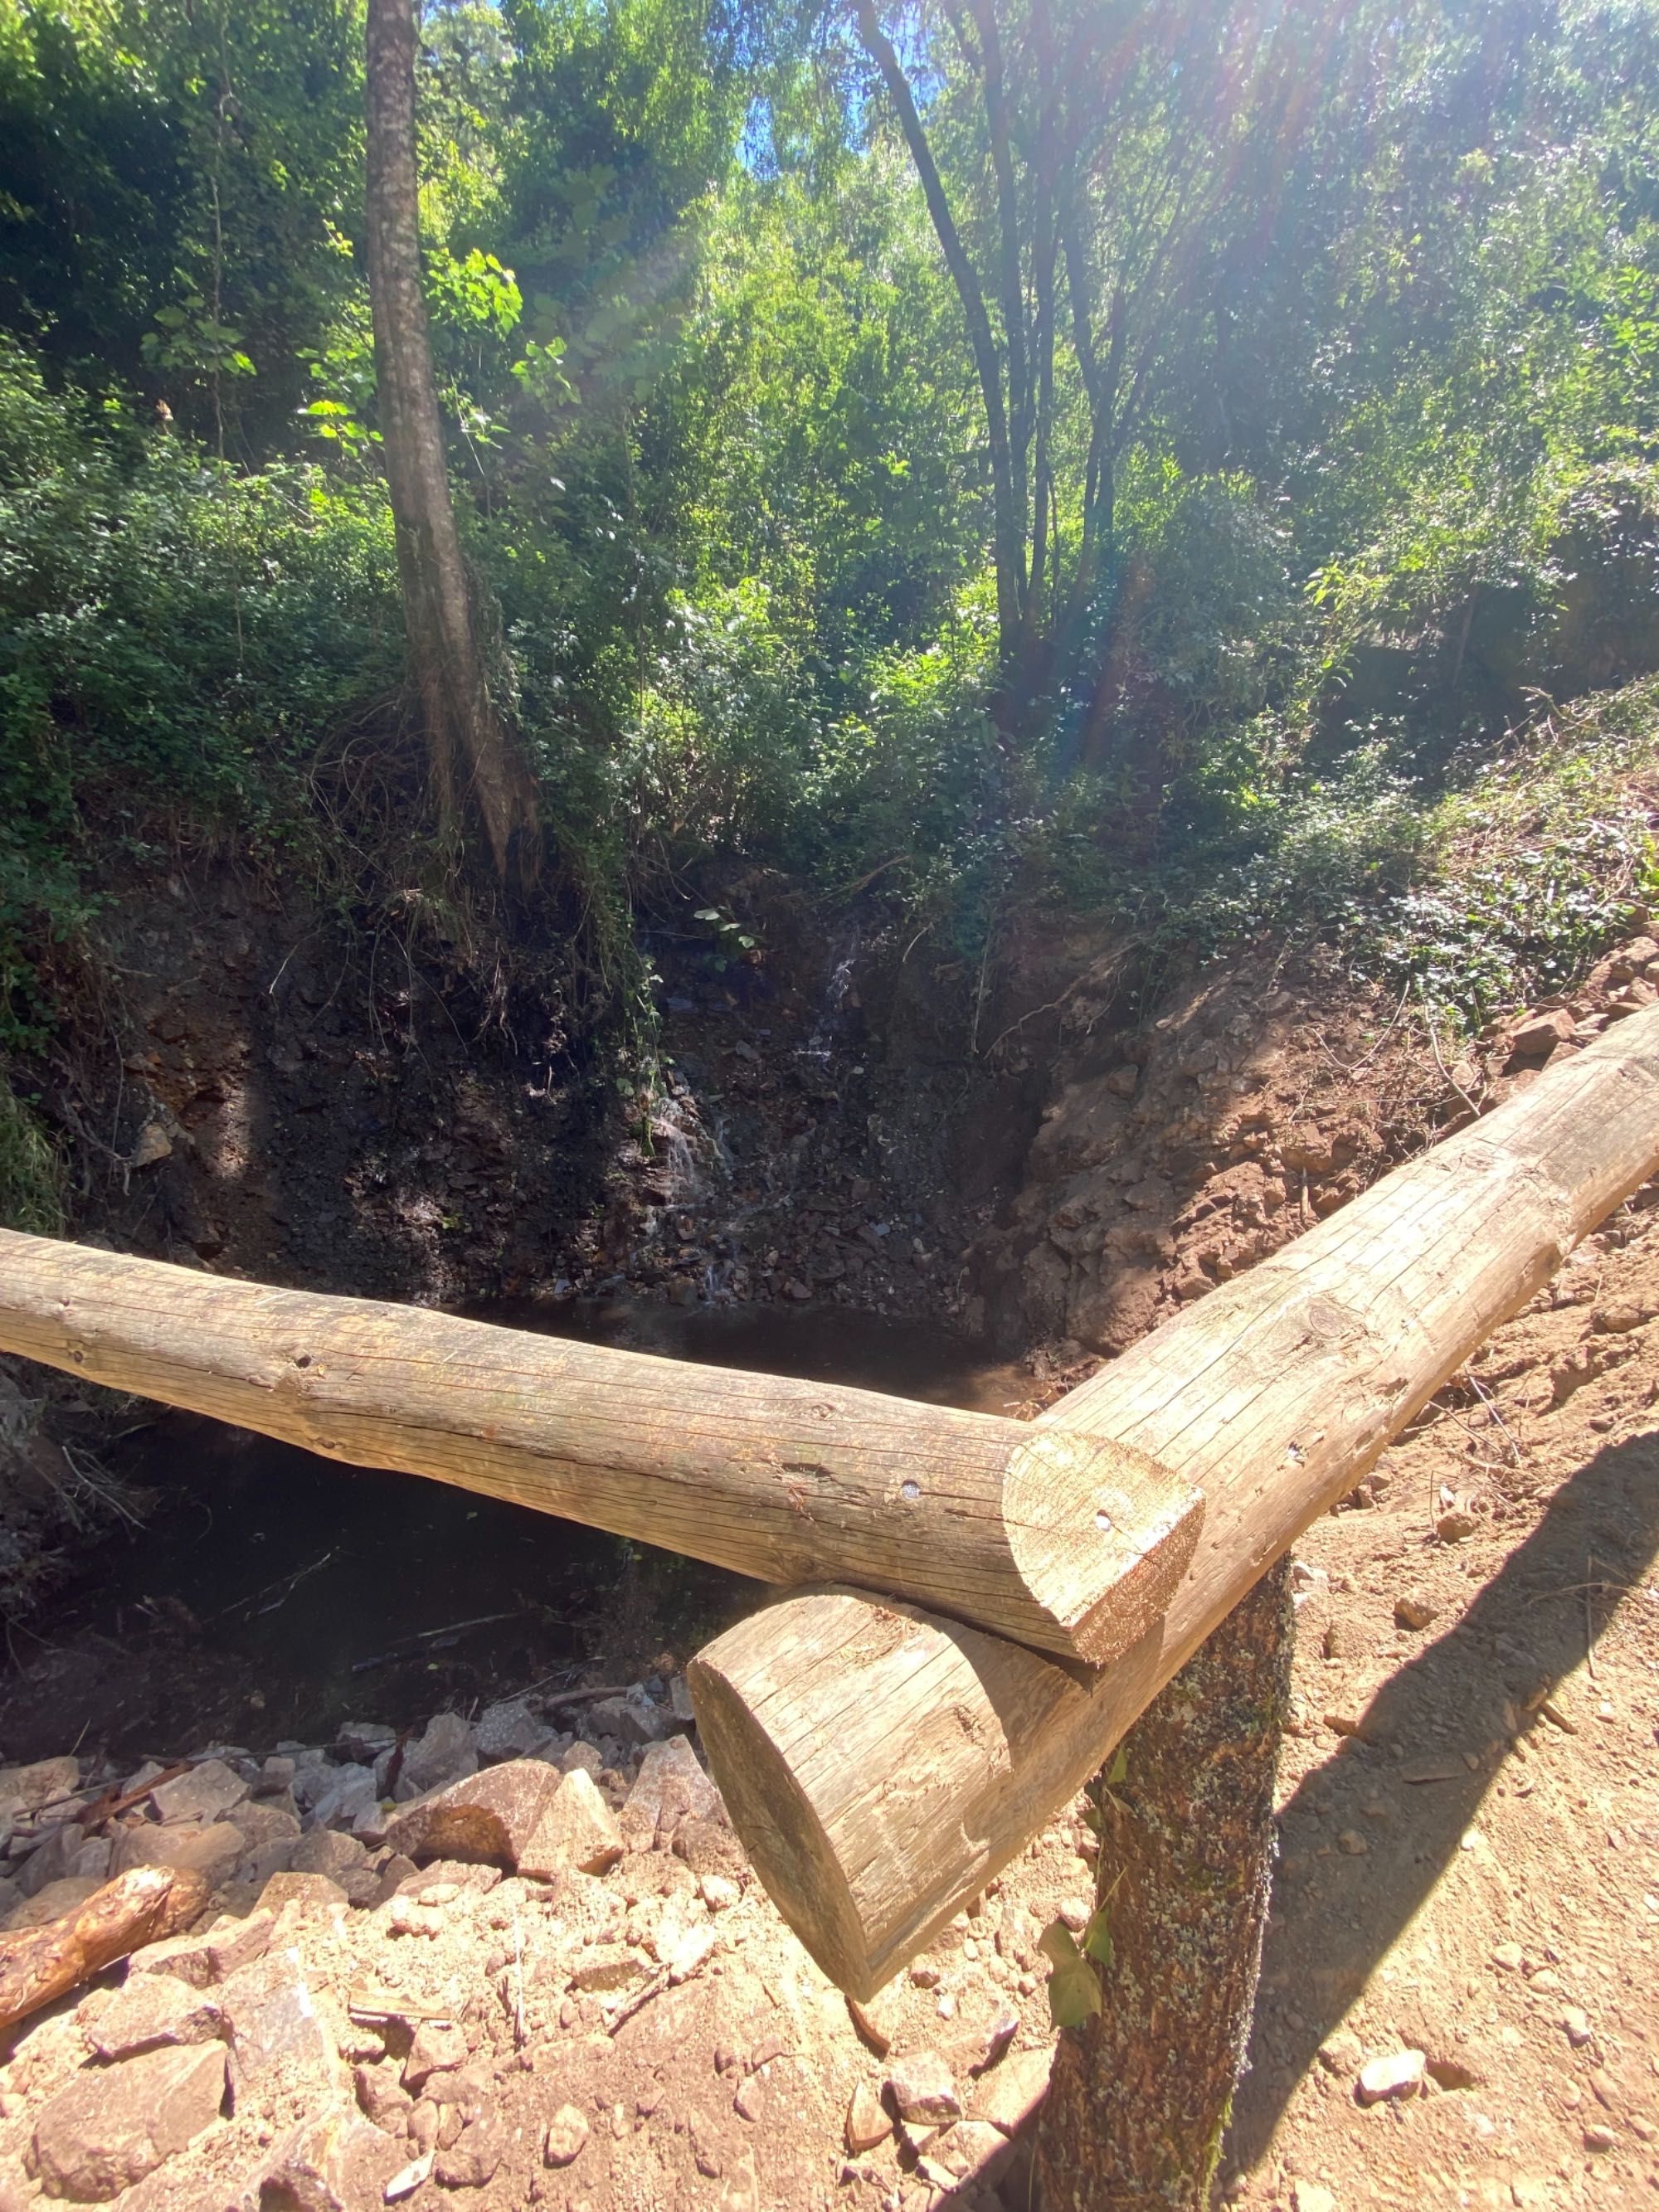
point(268, 1594)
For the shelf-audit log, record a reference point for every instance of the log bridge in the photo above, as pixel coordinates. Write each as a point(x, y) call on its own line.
point(974, 1610)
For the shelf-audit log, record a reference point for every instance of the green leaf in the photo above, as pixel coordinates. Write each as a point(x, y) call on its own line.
point(1119, 1769)
point(1073, 1986)
point(1098, 1935)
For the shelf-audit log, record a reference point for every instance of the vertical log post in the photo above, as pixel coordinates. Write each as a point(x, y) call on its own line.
point(1141, 2094)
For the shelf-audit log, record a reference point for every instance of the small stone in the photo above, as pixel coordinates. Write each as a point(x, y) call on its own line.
point(383, 2097)
point(582, 1758)
point(750, 2099)
point(1546, 1980)
point(1352, 1844)
point(271, 2020)
point(411, 2178)
point(213, 1955)
point(1011, 2093)
point(1509, 1958)
point(28, 1789)
point(709, 1847)
point(1576, 2021)
point(632, 1720)
point(471, 2161)
point(210, 1851)
point(719, 1894)
point(111, 2127)
point(567, 2137)
point(576, 1829)
point(152, 1146)
point(606, 1967)
point(325, 1850)
point(1456, 1523)
point(208, 1792)
point(51, 1902)
point(1538, 1038)
point(1340, 2052)
point(1414, 1612)
point(868, 2121)
point(1312, 2196)
point(1400, 2074)
point(922, 1976)
point(1598, 2138)
point(443, 1754)
point(149, 2012)
point(438, 2046)
point(350, 1797)
point(1617, 1318)
point(511, 1730)
point(923, 2091)
point(672, 1786)
point(360, 1743)
point(312, 1892)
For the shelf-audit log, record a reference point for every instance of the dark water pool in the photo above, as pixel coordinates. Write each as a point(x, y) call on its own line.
point(271, 1594)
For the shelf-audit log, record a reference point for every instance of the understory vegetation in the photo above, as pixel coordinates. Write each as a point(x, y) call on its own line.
point(1197, 463)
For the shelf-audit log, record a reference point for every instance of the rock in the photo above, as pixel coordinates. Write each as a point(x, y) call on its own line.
point(26, 1788)
point(113, 2126)
point(577, 1830)
point(672, 1786)
point(708, 1847)
point(472, 2159)
point(567, 2137)
point(438, 2046)
point(485, 1818)
point(1617, 1318)
point(310, 1891)
point(583, 1757)
point(1340, 2052)
point(333, 2161)
point(1598, 2137)
point(1414, 1612)
point(325, 1850)
point(972, 2150)
point(349, 1795)
point(58, 1897)
point(719, 1894)
point(382, 2097)
point(1009, 2094)
point(922, 2090)
point(275, 1776)
point(465, 2087)
point(1312, 2196)
point(52, 1860)
point(443, 1755)
point(1536, 1039)
point(632, 1720)
point(208, 1792)
point(511, 1730)
point(149, 2012)
point(362, 1742)
point(679, 1701)
point(271, 2020)
point(151, 1146)
point(1457, 1522)
point(210, 1851)
point(91, 1861)
point(606, 1967)
point(205, 1957)
point(868, 2121)
point(410, 2177)
point(1400, 2074)
point(1509, 1958)
point(1352, 1844)
point(1576, 2021)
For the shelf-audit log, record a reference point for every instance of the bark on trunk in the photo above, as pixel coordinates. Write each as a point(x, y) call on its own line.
point(1141, 2096)
point(469, 751)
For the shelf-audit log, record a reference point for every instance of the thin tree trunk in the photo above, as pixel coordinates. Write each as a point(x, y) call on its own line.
point(468, 749)
point(1141, 2094)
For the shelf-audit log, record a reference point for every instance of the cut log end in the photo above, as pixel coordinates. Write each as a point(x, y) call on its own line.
point(1101, 1535)
point(777, 1824)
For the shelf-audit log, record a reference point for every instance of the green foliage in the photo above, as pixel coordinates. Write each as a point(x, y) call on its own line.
point(31, 1195)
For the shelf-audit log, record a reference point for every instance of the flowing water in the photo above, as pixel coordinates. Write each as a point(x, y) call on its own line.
point(270, 1594)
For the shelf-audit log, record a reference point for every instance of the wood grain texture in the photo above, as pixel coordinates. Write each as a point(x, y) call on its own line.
point(1070, 1543)
point(882, 1765)
point(138, 1907)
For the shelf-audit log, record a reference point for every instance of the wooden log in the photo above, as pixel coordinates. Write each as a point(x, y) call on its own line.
point(881, 1765)
point(138, 1907)
point(1072, 1544)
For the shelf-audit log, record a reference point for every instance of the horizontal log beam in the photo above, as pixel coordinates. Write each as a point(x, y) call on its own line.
point(881, 1765)
point(1070, 1543)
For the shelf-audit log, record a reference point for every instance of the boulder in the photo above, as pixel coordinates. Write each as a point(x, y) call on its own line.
point(577, 1831)
point(1010, 2092)
point(270, 2018)
point(325, 1850)
point(486, 1818)
point(26, 1788)
point(114, 2125)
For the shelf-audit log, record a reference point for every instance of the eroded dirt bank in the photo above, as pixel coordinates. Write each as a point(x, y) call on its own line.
point(1470, 1864)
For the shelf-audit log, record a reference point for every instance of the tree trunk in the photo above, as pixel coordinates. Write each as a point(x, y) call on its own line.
point(468, 749)
point(1141, 2094)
